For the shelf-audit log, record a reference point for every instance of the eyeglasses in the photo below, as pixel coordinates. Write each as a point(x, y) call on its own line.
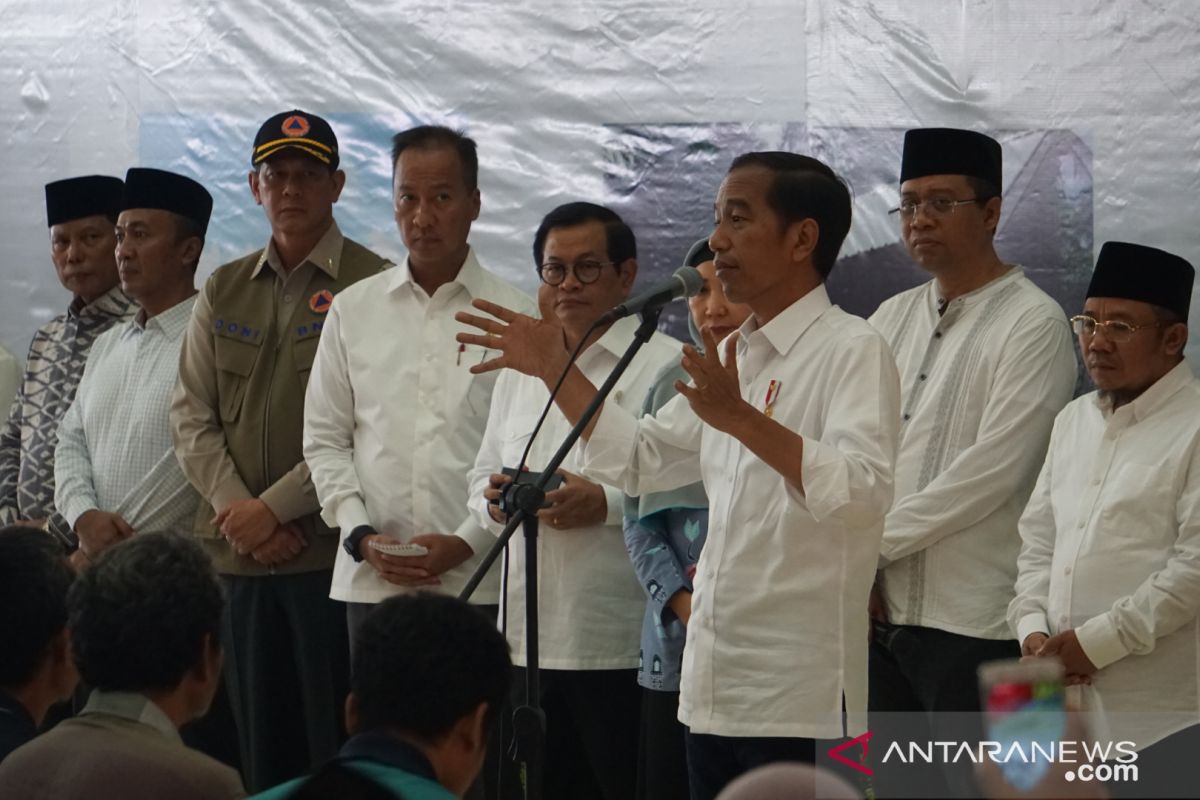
point(934, 206)
point(586, 271)
point(1114, 330)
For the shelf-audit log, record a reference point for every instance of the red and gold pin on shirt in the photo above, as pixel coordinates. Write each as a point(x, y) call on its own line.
point(772, 396)
point(320, 301)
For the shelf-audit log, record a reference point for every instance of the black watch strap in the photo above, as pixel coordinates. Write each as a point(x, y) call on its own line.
point(353, 542)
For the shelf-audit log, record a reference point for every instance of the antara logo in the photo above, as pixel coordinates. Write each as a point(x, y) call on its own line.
point(860, 764)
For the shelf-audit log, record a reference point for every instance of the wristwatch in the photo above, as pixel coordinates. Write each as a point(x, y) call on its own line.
point(351, 543)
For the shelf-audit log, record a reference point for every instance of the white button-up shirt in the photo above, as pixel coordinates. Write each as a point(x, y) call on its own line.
point(778, 633)
point(981, 385)
point(393, 418)
point(1111, 549)
point(590, 603)
point(115, 451)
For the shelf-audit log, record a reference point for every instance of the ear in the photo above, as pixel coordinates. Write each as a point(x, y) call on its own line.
point(351, 712)
point(627, 271)
point(1175, 338)
point(192, 247)
point(339, 183)
point(472, 730)
point(475, 204)
point(213, 659)
point(61, 659)
point(253, 179)
point(802, 239)
point(991, 215)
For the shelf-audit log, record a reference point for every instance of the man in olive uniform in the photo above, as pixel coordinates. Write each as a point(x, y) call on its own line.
point(238, 419)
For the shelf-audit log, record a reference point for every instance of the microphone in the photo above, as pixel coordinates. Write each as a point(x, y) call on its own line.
point(684, 282)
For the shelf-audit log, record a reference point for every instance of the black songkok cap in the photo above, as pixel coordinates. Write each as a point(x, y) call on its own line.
point(297, 130)
point(1147, 274)
point(950, 151)
point(87, 196)
point(156, 188)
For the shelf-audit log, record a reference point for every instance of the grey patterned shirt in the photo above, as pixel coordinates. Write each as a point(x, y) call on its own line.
point(115, 451)
point(52, 371)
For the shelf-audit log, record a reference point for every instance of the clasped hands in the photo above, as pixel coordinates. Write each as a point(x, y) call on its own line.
point(1065, 646)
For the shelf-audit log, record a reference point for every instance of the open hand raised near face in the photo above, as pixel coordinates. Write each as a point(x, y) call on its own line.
point(530, 346)
point(715, 394)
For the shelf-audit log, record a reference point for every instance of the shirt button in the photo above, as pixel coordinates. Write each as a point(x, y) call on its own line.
point(937, 334)
point(287, 298)
point(907, 417)
point(922, 376)
point(1067, 571)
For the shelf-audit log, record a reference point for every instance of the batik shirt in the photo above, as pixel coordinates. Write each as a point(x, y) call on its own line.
point(52, 371)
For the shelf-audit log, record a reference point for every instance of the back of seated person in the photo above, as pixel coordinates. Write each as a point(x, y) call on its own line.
point(143, 622)
point(788, 781)
point(430, 673)
point(36, 670)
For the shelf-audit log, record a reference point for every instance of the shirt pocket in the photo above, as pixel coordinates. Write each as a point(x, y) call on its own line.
point(235, 361)
point(304, 351)
point(1139, 506)
point(468, 394)
point(517, 428)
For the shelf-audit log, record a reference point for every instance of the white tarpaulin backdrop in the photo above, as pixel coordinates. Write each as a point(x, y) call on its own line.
point(636, 104)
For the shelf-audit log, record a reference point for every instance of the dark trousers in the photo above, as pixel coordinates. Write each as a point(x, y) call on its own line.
point(923, 687)
point(662, 772)
point(714, 761)
point(591, 733)
point(286, 670)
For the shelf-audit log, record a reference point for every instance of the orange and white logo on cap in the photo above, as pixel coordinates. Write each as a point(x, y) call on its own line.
point(295, 125)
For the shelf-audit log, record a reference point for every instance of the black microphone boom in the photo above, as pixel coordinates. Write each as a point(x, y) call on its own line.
point(684, 282)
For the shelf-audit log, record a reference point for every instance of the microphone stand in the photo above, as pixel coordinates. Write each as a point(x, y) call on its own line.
point(529, 720)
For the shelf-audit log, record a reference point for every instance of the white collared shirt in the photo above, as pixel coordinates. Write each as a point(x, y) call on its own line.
point(1111, 549)
point(393, 418)
point(778, 631)
point(589, 600)
point(115, 452)
point(981, 384)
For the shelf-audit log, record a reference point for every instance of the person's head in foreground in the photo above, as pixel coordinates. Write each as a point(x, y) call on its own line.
point(36, 670)
point(1134, 323)
point(433, 672)
point(145, 618)
point(787, 781)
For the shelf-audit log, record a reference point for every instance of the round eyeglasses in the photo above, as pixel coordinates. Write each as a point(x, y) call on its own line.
point(586, 271)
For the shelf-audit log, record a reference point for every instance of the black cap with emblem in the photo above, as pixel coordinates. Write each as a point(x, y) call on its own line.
point(296, 130)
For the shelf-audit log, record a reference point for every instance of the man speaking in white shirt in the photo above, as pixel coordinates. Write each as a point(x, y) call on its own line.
point(792, 427)
point(1109, 578)
point(986, 361)
point(393, 417)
